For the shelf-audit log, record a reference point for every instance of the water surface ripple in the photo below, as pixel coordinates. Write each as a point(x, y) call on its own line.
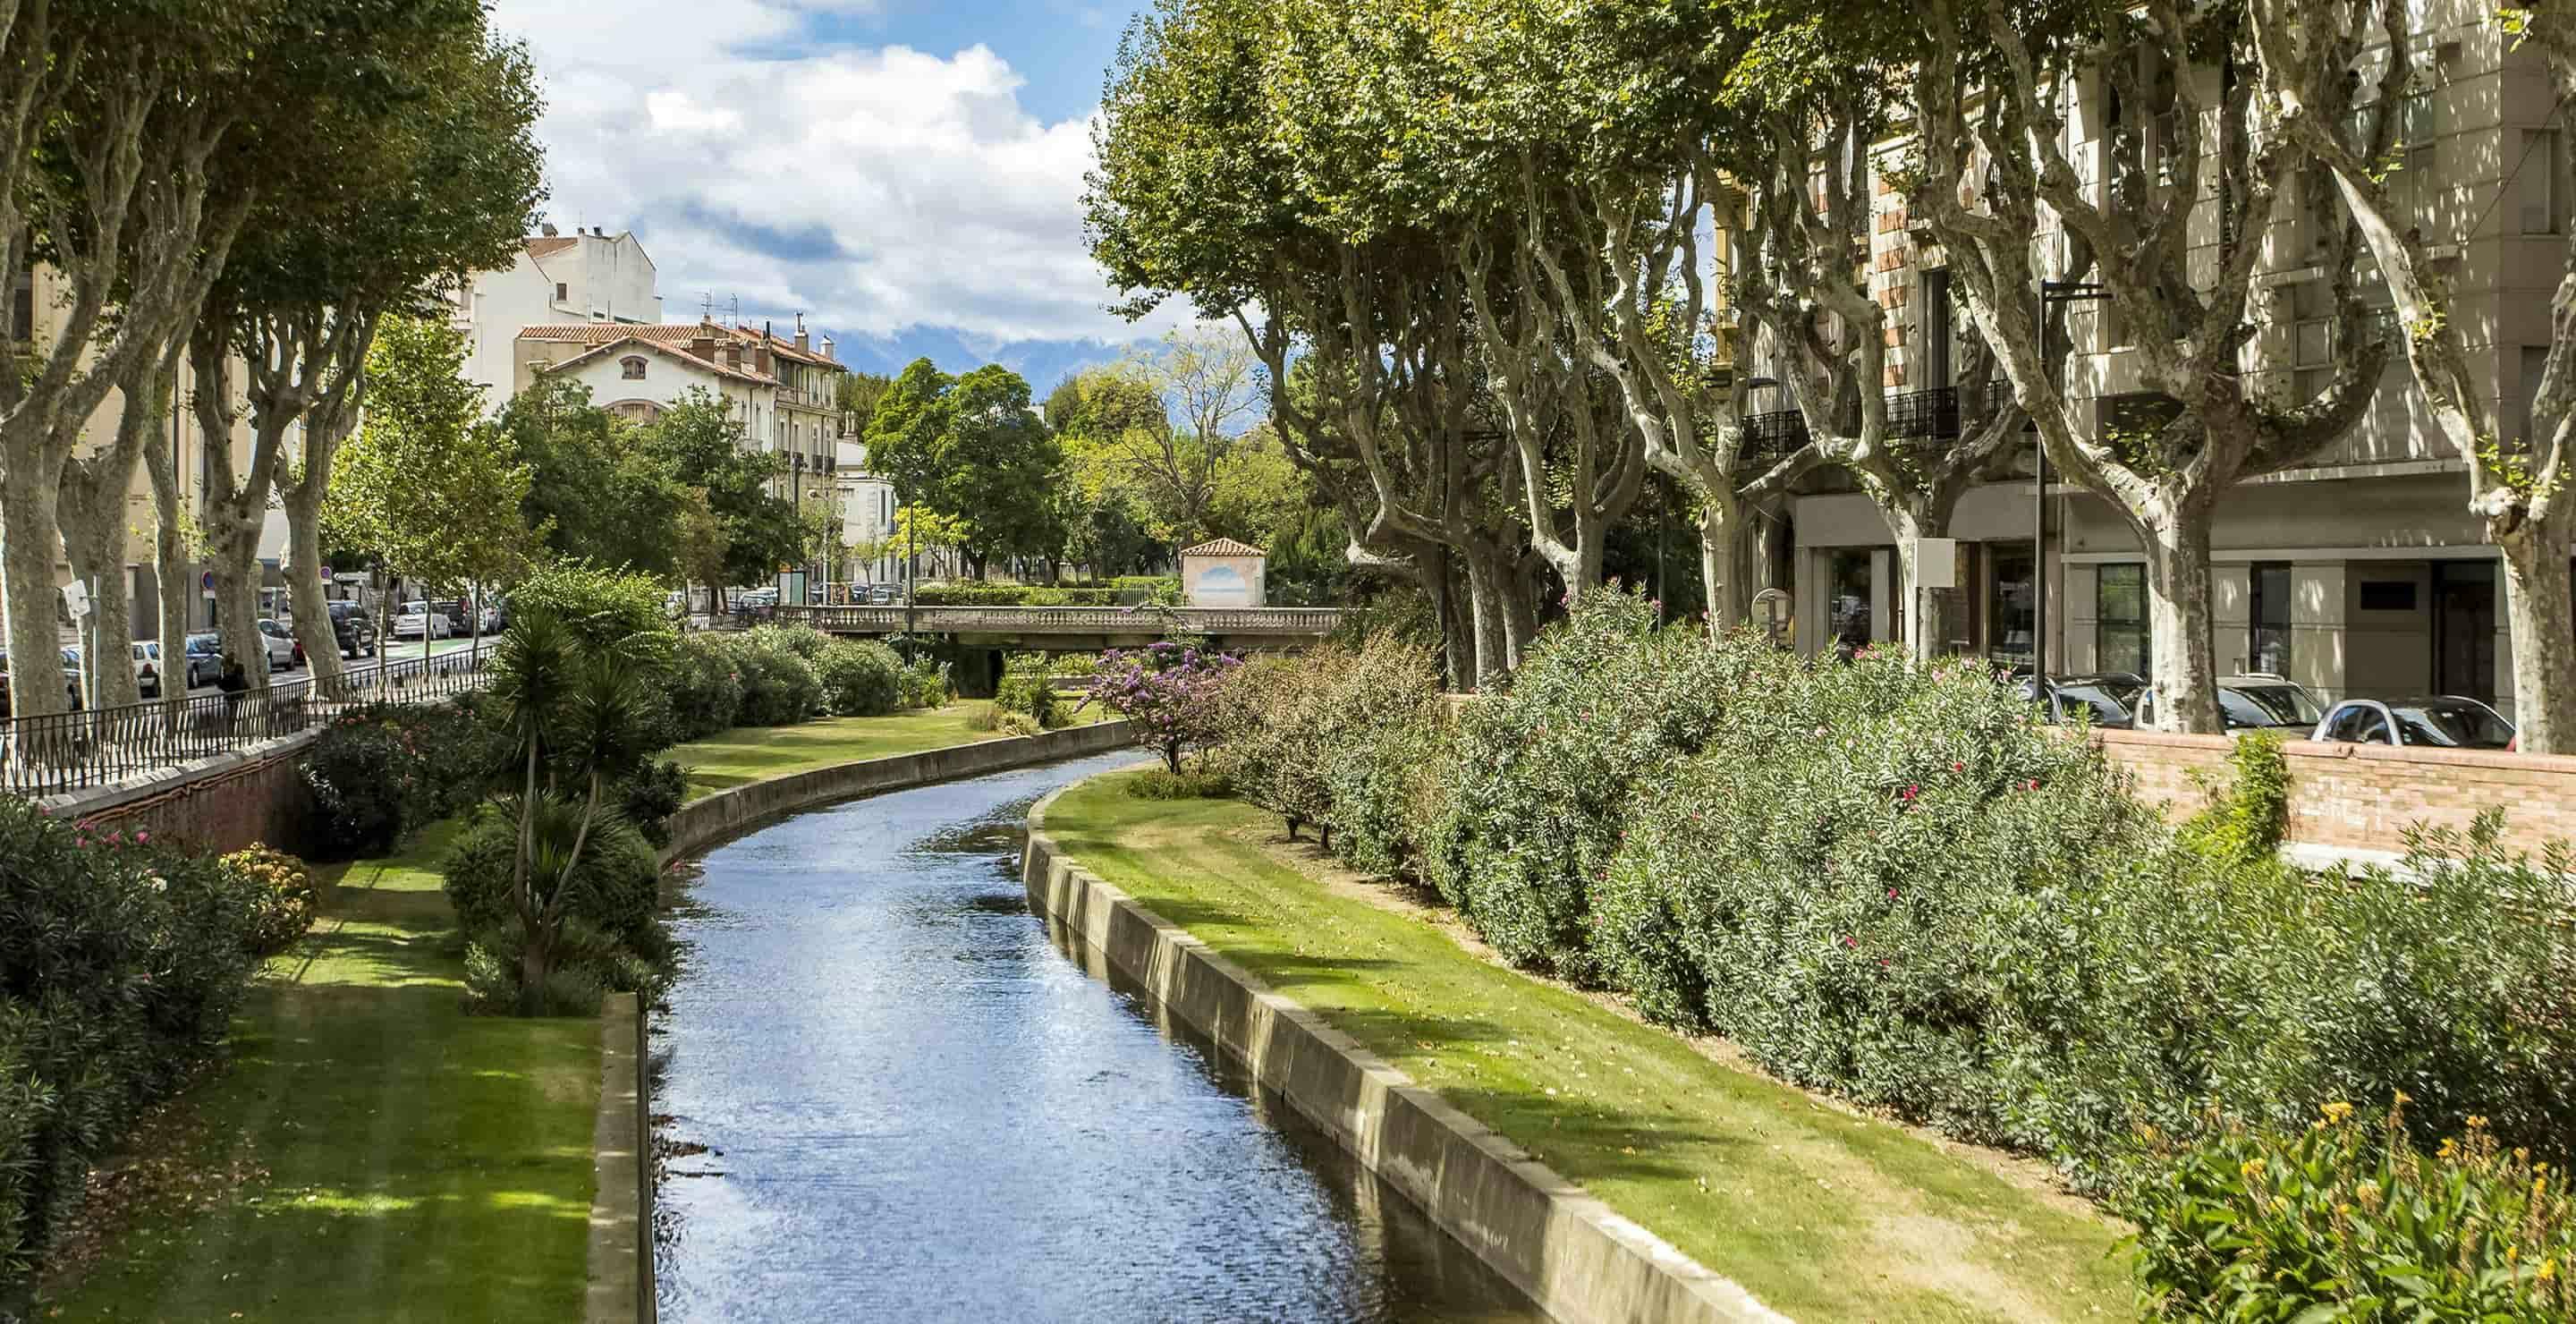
point(913, 1107)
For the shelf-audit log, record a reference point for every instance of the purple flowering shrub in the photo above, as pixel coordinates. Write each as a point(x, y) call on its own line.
point(1173, 692)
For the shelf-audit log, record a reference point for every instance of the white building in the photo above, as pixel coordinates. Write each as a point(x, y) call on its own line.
point(588, 277)
point(867, 517)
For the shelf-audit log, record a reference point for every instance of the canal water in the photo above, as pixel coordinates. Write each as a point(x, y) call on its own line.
point(889, 1097)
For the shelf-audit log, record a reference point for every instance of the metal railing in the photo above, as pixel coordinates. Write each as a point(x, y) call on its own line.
point(1303, 621)
point(54, 753)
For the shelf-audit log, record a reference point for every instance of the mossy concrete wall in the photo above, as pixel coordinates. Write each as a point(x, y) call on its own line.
point(1566, 1250)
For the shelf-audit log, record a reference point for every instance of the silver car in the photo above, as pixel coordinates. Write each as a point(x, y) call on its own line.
point(2440, 721)
point(2256, 701)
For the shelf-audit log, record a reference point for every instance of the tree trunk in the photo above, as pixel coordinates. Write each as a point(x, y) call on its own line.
point(232, 554)
point(29, 534)
point(170, 565)
point(305, 600)
point(2537, 587)
point(1719, 517)
point(97, 550)
point(2178, 618)
point(1485, 598)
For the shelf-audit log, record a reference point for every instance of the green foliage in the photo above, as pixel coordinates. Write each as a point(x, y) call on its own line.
point(2349, 1221)
point(615, 888)
point(748, 531)
point(925, 684)
point(779, 687)
point(1339, 738)
point(280, 893)
point(593, 488)
point(1016, 724)
point(968, 448)
point(1028, 688)
point(382, 771)
point(861, 678)
point(1162, 590)
point(705, 687)
point(1012, 595)
point(121, 962)
point(1188, 784)
point(2249, 817)
point(605, 607)
point(648, 796)
point(428, 486)
point(1544, 770)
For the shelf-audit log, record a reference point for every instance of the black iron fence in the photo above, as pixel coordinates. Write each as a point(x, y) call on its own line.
point(59, 752)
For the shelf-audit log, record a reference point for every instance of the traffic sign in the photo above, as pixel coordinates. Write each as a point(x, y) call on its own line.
point(209, 578)
point(76, 598)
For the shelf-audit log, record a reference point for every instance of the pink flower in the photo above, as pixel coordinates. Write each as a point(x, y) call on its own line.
point(1891, 894)
point(1960, 765)
point(2032, 785)
point(1850, 941)
point(1911, 791)
point(142, 838)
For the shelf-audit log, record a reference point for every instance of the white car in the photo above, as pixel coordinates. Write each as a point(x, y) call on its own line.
point(284, 652)
point(2440, 721)
point(2256, 701)
point(419, 622)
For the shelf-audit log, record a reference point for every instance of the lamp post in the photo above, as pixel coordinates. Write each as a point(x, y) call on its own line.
point(796, 503)
point(2050, 292)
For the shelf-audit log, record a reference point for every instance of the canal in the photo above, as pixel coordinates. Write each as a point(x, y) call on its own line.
point(889, 1097)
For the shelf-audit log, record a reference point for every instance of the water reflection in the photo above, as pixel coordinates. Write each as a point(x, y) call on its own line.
point(888, 1097)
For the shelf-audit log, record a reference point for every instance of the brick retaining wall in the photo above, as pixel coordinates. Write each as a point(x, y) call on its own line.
point(2363, 797)
point(218, 804)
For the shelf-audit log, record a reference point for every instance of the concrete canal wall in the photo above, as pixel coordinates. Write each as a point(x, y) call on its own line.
point(1581, 1262)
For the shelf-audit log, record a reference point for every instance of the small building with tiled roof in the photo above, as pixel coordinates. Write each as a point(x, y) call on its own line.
point(636, 372)
point(1224, 573)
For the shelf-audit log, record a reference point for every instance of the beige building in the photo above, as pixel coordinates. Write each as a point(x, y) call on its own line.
point(588, 277)
point(2362, 574)
point(1225, 573)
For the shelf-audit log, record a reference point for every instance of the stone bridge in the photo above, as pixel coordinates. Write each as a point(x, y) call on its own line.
point(1076, 629)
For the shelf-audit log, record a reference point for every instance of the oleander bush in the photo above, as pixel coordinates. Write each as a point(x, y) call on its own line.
point(1542, 771)
point(648, 796)
point(779, 686)
point(2347, 1219)
point(1340, 738)
point(122, 961)
point(704, 686)
point(861, 678)
point(803, 640)
point(383, 770)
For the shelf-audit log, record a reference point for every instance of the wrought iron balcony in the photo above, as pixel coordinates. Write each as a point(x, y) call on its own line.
point(1777, 432)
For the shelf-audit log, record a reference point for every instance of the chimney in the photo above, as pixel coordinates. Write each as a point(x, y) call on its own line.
point(827, 347)
point(702, 342)
point(765, 369)
point(800, 331)
point(548, 230)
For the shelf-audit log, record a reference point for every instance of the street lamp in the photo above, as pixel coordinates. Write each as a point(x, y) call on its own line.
point(796, 503)
point(2050, 292)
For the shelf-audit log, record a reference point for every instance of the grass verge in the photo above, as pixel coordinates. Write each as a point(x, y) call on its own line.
point(756, 753)
point(404, 1161)
point(1822, 1213)
point(388, 1157)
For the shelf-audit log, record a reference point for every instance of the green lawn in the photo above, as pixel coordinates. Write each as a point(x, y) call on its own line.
point(1823, 1214)
point(754, 753)
point(419, 1164)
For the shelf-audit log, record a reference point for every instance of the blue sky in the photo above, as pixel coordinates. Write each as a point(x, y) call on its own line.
point(908, 174)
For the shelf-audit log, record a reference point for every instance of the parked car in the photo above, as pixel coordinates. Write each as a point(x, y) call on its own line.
point(147, 668)
point(2441, 721)
point(2108, 700)
point(883, 595)
point(417, 621)
point(285, 651)
point(205, 659)
point(70, 663)
point(2256, 701)
point(356, 628)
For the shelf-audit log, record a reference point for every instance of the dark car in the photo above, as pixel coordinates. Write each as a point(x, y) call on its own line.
point(205, 659)
point(71, 681)
point(2107, 700)
point(355, 629)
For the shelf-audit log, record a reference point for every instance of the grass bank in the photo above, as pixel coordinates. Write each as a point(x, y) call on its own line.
point(374, 1153)
point(757, 753)
point(1822, 1213)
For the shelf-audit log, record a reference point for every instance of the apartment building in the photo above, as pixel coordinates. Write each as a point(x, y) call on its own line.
point(2362, 574)
point(588, 277)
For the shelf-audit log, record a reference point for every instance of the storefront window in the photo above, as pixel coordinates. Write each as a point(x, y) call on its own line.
point(2120, 623)
point(1847, 606)
point(2009, 618)
point(2268, 649)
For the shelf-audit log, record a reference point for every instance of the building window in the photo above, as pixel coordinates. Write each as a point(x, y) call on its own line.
point(2311, 339)
point(631, 368)
point(2010, 620)
point(2535, 185)
point(2267, 645)
point(2120, 620)
point(563, 292)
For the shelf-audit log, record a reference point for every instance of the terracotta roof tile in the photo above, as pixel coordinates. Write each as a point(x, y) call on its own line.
point(1223, 547)
point(669, 337)
point(548, 245)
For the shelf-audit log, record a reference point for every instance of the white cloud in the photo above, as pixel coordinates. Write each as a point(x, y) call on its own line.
point(876, 190)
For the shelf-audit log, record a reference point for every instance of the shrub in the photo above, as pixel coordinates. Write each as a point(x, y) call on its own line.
point(280, 892)
point(585, 962)
point(803, 640)
point(381, 771)
point(704, 687)
point(1017, 724)
point(1172, 692)
point(1277, 727)
point(984, 717)
point(1543, 771)
point(1164, 784)
point(861, 678)
point(1163, 590)
point(924, 684)
point(1012, 595)
point(121, 963)
point(1389, 755)
point(648, 796)
point(1028, 689)
point(779, 687)
point(602, 605)
point(616, 889)
point(2348, 1220)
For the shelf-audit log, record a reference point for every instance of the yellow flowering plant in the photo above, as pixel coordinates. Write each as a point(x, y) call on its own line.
point(284, 892)
point(2347, 1220)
